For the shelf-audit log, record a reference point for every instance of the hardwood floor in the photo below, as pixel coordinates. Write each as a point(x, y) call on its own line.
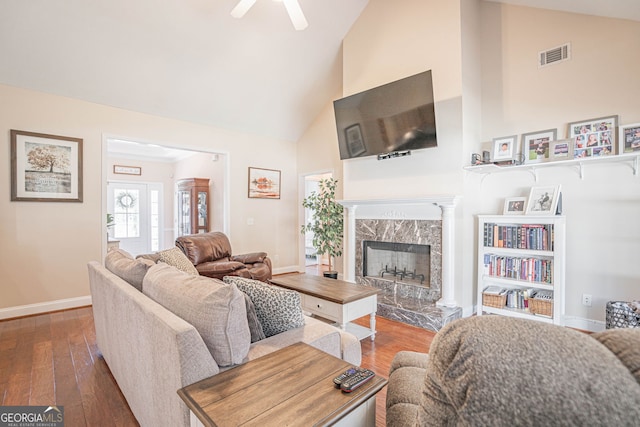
point(54, 359)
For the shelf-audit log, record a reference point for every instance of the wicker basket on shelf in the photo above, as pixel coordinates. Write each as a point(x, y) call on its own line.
point(543, 307)
point(491, 300)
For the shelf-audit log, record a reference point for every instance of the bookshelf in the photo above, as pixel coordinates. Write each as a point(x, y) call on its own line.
point(524, 255)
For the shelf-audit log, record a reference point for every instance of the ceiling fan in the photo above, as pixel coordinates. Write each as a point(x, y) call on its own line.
point(293, 9)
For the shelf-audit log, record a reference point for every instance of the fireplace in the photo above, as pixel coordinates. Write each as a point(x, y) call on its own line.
point(391, 244)
point(398, 262)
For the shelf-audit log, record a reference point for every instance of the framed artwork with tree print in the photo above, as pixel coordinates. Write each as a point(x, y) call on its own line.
point(45, 168)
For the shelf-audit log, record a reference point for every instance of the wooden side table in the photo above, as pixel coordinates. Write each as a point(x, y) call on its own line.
point(292, 386)
point(335, 300)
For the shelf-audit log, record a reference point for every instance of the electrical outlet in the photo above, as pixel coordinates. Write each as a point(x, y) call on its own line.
point(586, 300)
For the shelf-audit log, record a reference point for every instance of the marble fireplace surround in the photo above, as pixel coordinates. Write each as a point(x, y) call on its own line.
point(426, 220)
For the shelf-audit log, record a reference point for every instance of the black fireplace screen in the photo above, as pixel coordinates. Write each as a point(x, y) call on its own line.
point(401, 262)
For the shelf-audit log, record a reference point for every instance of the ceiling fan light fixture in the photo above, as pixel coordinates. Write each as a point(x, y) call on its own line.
point(292, 6)
point(295, 13)
point(242, 8)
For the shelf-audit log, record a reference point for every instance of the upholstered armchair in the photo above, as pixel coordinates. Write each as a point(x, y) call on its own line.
point(211, 254)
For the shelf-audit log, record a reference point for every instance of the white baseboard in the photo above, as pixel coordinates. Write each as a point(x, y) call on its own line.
point(44, 307)
point(584, 324)
point(289, 269)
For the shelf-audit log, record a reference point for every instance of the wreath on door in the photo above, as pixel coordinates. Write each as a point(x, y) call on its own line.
point(126, 200)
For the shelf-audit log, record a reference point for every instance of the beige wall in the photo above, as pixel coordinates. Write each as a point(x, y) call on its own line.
point(45, 246)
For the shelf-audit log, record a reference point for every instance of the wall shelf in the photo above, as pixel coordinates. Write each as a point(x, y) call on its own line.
point(578, 164)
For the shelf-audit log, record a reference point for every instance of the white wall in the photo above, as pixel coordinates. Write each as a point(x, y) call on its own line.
point(601, 79)
point(483, 56)
point(45, 247)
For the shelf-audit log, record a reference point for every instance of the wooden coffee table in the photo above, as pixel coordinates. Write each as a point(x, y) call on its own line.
point(292, 386)
point(335, 300)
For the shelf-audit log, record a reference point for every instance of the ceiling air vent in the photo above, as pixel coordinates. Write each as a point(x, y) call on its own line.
point(557, 54)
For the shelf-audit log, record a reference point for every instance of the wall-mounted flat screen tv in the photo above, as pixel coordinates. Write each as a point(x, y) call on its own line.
point(394, 117)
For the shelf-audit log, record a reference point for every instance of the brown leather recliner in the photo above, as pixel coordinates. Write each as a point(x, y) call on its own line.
point(210, 253)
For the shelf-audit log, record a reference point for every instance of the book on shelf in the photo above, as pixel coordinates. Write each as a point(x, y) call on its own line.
point(522, 236)
point(494, 290)
point(528, 269)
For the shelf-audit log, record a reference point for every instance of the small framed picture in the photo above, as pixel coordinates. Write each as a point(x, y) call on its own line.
point(355, 143)
point(594, 137)
point(561, 149)
point(264, 183)
point(504, 148)
point(514, 205)
point(535, 145)
point(629, 138)
point(543, 200)
point(127, 170)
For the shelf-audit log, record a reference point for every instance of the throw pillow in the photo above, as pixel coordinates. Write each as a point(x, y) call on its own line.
point(257, 333)
point(216, 310)
point(278, 309)
point(176, 258)
point(122, 264)
point(625, 344)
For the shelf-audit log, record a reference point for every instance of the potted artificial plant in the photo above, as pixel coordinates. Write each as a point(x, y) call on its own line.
point(327, 222)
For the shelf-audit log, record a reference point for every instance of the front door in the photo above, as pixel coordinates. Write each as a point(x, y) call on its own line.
point(135, 208)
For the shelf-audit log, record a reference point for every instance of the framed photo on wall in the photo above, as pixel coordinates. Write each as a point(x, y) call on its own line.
point(45, 168)
point(514, 205)
point(504, 148)
point(543, 200)
point(594, 137)
point(535, 145)
point(629, 138)
point(264, 183)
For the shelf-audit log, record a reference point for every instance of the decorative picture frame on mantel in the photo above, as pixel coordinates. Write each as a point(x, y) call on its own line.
point(45, 168)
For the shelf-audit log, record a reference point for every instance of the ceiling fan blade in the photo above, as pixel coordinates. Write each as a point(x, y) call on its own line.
point(295, 13)
point(242, 7)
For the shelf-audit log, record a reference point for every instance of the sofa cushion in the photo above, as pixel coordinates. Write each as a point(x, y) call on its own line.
point(177, 259)
point(122, 264)
point(625, 344)
point(216, 310)
point(495, 370)
point(255, 327)
point(277, 309)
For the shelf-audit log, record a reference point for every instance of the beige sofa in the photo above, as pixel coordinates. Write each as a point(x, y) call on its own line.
point(498, 371)
point(152, 352)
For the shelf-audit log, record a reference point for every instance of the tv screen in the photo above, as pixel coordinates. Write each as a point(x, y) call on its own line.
point(397, 116)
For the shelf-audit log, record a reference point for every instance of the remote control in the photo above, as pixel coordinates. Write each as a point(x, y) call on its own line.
point(356, 380)
point(343, 376)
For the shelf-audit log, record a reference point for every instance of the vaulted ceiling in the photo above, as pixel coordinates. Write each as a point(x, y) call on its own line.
point(190, 60)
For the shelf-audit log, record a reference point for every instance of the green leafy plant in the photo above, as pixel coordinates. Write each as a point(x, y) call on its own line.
point(327, 222)
point(110, 220)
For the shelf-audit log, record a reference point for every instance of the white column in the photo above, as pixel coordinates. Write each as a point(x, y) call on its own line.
point(448, 238)
point(349, 243)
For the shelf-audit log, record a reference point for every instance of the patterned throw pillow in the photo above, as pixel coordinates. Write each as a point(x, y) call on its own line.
point(176, 258)
point(278, 309)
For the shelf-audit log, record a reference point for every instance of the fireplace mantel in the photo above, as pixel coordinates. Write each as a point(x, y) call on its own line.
point(428, 207)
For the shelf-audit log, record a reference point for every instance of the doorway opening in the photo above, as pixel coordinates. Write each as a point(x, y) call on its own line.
point(157, 169)
point(311, 257)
